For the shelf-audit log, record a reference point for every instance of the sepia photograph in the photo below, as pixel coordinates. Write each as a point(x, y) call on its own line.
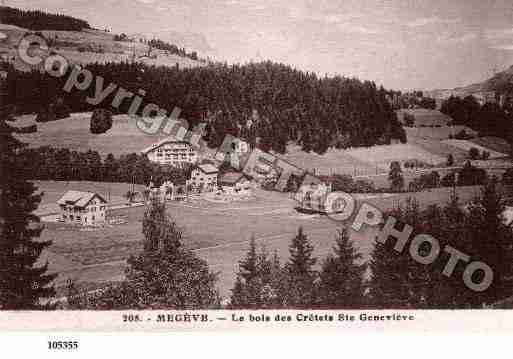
point(227, 164)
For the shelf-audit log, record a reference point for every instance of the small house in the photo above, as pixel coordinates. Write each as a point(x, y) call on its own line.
point(204, 177)
point(234, 182)
point(85, 208)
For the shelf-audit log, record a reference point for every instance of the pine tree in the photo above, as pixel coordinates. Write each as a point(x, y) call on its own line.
point(341, 277)
point(159, 230)
point(299, 272)
point(450, 160)
point(247, 290)
point(23, 284)
point(491, 241)
point(396, 280)
point(163, 276)
point(395, 177)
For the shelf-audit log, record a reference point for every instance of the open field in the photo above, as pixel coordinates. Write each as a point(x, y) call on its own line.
point(466, 145)
point(333, 161)
point(219, 233)
point(73, 133)
point(385, 154)
point(363, 161)
point(424, 117)
point(436, 133)
point(493, 143)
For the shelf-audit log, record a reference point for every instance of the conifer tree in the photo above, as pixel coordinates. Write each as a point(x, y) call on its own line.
point(23, 283)
point(396, 280)
point(301, 278)
point(491, 242)
point(247, 290)
point(395, 177)
point(341, 277)
point(163, 276)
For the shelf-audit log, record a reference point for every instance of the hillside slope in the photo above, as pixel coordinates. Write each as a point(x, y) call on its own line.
point(500, 83)
point(89, 46)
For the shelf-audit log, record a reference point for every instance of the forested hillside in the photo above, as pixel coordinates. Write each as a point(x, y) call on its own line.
point(39, 20)
point(271, 102)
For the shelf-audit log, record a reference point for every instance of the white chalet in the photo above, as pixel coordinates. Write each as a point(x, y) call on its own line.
point(204, 177)
point(86, 208)
point(170, 151)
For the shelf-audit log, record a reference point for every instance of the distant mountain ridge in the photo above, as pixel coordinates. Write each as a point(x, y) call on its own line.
point(500, 83)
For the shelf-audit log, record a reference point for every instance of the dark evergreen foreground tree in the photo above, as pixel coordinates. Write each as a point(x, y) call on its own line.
point(341, 277)
point(259, 281)
point(23, 283)
point(300, 283)
point(478, 231)
point(491, 241)
point(163, 276)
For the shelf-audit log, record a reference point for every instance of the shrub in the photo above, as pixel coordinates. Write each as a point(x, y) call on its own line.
point(409, 120)
point(46, 114)
point(450, 160)
point(471, 176)
point(27, 129)
point(345, 183)
point(448, 180)
point(463, 135)
point(101, 121)
point(507, 177)
point(62, 110)
point(473, 153)
point(485, 155)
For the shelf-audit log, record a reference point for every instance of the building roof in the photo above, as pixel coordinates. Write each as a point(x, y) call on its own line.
point(231, 178)
point(78, 198)
point(208, 168)
point(170, 139)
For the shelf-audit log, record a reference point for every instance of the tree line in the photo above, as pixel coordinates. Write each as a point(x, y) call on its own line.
point(489, 119)
point(173, 49)
point(267, 103)
point(39, 20)
point(62, 164)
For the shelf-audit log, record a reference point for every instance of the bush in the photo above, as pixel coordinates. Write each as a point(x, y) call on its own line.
point(507, 177)
point(473, 153)
point(46, 114)
point(27, 129)
point(471, 176)
point(101, 121)
point(54, 111)
point(449, 180)
point(409, 120)
point(450, 160)
point(345, 183)
point(62, 110)
point(485, 155)
point(463, 135)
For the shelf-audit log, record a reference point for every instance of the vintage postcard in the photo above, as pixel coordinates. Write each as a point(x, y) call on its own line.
point(268, 165)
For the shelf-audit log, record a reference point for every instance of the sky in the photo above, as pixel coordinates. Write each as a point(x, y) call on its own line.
point(400, 44)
